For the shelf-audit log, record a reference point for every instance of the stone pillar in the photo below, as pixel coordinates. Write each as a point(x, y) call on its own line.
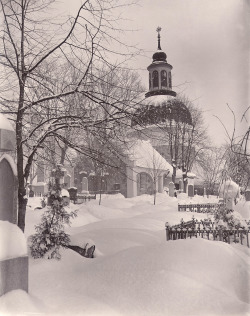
point(160, 184)
point(171, 189)
point(131, 182)
point(190, 190)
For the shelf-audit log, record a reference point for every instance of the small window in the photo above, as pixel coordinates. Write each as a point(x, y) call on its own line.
point(164, 78)
point(155, 79)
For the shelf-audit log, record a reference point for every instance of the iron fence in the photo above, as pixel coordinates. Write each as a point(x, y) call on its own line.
point(199, 208)
point(207, 229)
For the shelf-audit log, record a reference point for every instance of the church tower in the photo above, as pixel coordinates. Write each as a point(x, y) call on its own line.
point(160, 77)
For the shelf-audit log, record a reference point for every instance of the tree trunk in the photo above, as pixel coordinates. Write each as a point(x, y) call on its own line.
point(174, 174)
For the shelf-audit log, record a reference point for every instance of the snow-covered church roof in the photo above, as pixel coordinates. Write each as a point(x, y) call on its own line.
point(145, 156)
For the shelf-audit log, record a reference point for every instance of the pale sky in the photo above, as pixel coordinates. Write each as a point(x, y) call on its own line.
point(206, 42)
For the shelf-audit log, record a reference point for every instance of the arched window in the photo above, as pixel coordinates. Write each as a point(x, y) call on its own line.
point(155, 79)
point(164, 78)
point(149, 80)
point(170, 80)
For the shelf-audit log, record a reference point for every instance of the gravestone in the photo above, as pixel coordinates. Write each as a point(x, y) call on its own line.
point(14, 266)
point(190, 190)
point(85, 185)
point(67, 181)
point(171, 189)
point(247, 194)
point(181, 185)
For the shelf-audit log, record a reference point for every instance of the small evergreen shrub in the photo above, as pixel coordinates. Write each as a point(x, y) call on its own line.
point(50, 234)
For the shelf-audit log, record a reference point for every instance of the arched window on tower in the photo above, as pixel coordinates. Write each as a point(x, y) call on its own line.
point(164, 78)
point(170, 80)
point(149, 80)
point(155, 79)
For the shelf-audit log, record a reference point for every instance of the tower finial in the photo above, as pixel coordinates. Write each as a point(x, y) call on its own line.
point(158, 30)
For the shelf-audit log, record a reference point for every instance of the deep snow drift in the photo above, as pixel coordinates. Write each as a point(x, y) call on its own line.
point(136, 271)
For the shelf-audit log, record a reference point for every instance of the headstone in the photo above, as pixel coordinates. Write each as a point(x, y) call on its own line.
point(73, 194)
point(85, 185)
point(181, 185)
point(171, 189)
point(67, 181)
point(247, 194)
point(190, 190)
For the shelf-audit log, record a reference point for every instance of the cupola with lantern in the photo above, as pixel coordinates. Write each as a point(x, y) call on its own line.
point(160, 77)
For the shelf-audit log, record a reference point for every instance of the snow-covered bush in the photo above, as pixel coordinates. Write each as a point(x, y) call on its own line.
point(50, 235)
point(227, 219)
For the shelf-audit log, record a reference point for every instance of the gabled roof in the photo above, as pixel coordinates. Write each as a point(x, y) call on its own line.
point(145, 156)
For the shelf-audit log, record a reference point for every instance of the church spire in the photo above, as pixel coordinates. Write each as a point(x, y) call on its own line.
point(160, 78)
point(158, 30)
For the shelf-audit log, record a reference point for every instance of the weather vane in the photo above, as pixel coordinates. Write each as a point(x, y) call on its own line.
point(158, 30)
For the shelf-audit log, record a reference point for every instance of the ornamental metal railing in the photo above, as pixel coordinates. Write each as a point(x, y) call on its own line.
point(207, 229)
point(199, 208)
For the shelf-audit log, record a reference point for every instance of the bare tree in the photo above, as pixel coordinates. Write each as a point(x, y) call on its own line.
point(210, 165)
point(238, 150)
point(35, 47)
point(157, 166)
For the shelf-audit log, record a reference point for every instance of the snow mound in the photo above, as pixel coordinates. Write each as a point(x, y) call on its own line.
point(183, 277)
point(12, 241)
point(18, 302)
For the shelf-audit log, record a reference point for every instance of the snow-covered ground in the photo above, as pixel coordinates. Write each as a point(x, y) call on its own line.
point(135, 271)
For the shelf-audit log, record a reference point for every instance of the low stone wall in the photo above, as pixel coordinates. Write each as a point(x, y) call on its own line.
point(14, 274)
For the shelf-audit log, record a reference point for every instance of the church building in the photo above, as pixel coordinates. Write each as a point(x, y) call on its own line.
point(151, 159)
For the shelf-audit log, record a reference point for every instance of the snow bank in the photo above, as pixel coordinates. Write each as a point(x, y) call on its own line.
point(197, 199)
point(185, 277)
point(12, 241)
point(20, 303)
point(136, 272)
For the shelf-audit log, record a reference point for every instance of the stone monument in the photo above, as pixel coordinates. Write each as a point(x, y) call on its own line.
point(190, 190)
point(171, 189)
